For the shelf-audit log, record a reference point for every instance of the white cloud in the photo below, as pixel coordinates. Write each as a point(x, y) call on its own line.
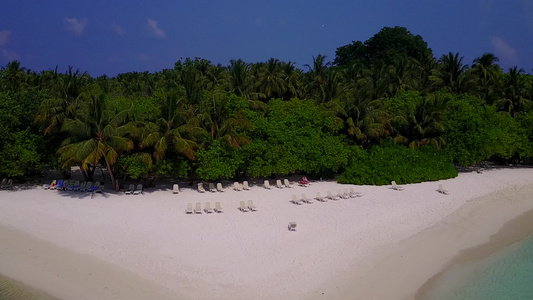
point(4, 37)
point(75, 26)
point(9, 55)
point(504, 50)
point(118, 30)
point(154, 29)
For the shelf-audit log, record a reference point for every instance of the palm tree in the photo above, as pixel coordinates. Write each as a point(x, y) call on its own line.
point(239, 84)
point(450, 74)
point(514, 88)
point(420, 124)
point(316, 77)
point(272, 81)
point(13, 76)
point(173, 130)
point(486, 70)
point(54, 111)
point(95, 134)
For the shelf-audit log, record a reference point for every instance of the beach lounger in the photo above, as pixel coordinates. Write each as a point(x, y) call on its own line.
point(306, 200)
point(340, 195)
point(243, 207)
point(245, 186)
point(208, 208)
point(267, 185)
point(198, 209)
point(287, 183)
point(3, 183)
point(320, 198)
point(130, 189)
point(212, 188)
point(49, 186)
point(219, 187)
point(67, 185)
point(331, 197)
point(237, 186)
point(81, 187)
point(138, 189)
point(353, 193)
point(278, 184)
point(75, 186)
point(189, 208)
point(201, 188)
point(346, 195)
point(96, 187)
point(59, 185)
point(396, 187)
point(175, 188)
point(218, 208)
point(442, 190)
point(89, 185)
point(292, 226)
point(9, 184)
point(251, 205)
point(295, 200)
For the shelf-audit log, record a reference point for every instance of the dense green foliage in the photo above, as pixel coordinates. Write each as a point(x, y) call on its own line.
point(384, 109)
point(382, 164)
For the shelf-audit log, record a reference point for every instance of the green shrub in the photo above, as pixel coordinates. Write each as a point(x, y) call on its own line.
point(380, 165)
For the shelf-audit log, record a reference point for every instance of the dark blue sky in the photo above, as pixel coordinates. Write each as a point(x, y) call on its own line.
point(111, 37)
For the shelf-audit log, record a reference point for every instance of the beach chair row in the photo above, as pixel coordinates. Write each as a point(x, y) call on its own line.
point(218, 208)
point(132, 190)
point(71, 185)
point(6, 184)
point(329, 196)
point(211, 187)
point(207, 208)
point(286, 184)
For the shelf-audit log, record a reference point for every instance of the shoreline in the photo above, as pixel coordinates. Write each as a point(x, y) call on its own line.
point(514, 231)
point(479, 228)
point(384, 245)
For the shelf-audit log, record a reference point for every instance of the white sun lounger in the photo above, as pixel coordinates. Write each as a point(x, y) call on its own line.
point(396, 187)
point(219, 187)
point(201, 188)
point(237, 186)
point(330, 196)
point(287, 183)
point(442, 190)
point(198, 209)
point(267, 185)
point(354, 193)
point(189, 208)
point(345, 194)
point(251, 205)
point(175, 188)
point(245, 186)
point(278, 184)
point(129, 191)
point(138, 190)
point(295, 200)
point(208, 208)
point(212, 187)
point(320, 198)
point(243, 207)
point(306, 200)
point(218, 208)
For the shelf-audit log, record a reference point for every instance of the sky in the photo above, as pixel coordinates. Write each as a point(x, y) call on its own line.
point(112, 37)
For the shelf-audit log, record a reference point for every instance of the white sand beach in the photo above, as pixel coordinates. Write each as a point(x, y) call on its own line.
point(384, 245)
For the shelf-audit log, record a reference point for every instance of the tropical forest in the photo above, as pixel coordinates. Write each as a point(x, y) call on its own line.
point(382, 109)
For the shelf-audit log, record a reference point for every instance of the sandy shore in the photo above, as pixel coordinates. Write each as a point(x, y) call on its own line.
point(384, 245)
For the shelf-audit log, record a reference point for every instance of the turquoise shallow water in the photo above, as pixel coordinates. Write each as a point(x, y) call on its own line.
point(507, 274)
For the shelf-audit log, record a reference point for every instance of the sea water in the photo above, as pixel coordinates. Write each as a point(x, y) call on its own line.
point(507, 274)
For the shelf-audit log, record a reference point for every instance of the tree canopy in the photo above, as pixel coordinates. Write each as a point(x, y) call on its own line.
point(380, 106)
